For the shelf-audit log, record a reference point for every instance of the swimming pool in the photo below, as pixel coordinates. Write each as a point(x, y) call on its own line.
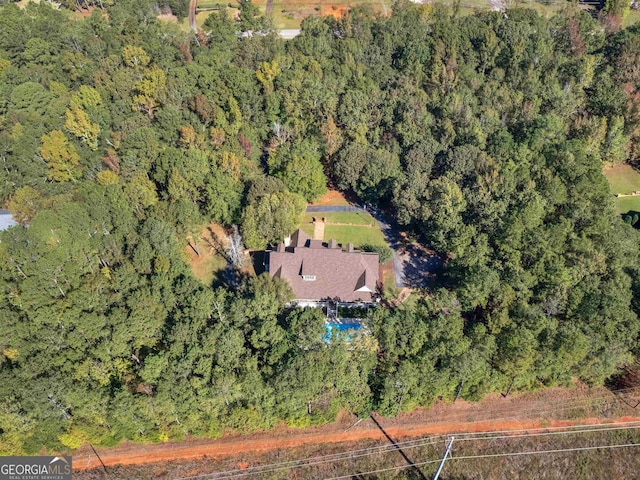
point(339, 327)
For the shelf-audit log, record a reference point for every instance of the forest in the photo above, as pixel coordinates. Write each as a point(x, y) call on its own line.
point(485, 136)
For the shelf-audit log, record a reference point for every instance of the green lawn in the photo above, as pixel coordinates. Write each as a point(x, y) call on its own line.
point(623, 179)
point(307, 228)
point(632, 18)
point(357, 235)
point(212, 3)
point(353, 218)
point(626, 204)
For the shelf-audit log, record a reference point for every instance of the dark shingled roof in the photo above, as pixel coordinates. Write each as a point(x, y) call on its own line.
point(330, 272)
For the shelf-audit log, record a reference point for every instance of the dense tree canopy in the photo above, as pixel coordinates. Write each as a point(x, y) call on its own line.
point(485, 136)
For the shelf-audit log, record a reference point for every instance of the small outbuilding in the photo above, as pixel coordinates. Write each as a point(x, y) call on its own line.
point(6, 220)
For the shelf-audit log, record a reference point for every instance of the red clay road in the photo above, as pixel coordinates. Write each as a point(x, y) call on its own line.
point(526, 411)
point(141, 454)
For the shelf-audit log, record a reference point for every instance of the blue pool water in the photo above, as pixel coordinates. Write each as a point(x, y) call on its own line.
point(338, 327)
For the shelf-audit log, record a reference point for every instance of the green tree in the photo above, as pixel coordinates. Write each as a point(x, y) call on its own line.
point(272, 218)
point(63, 162)
point(300, 169)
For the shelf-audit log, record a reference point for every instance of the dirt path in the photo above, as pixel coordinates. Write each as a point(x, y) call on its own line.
point(269, 7)
point(542, 409)
point(192, 15)
point(318, 230)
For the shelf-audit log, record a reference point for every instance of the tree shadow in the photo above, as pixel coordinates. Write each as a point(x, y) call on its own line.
point(230, 277)
point(216, 243)
point(421, 266)
point(258, 258)
point(626, 385)
point(415, 471)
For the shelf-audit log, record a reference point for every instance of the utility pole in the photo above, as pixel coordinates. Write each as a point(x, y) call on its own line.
point(446, 454)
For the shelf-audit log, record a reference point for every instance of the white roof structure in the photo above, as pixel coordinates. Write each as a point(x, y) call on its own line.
point(6, 220)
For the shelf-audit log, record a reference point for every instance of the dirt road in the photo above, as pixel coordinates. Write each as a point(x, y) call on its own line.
point(554, 407)
point(192, 15)
point(136, 455)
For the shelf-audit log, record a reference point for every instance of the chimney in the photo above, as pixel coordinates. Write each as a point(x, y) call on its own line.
point(280, 247)
point(349, 247)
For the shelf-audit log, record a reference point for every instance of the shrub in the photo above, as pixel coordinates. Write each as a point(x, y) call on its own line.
point(383, 251)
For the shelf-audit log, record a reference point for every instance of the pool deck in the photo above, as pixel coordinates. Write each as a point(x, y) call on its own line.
point(346, 321)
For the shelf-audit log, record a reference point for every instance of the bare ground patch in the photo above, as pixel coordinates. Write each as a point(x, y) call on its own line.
point(211, 259)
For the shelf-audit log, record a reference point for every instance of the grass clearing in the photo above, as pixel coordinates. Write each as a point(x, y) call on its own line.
point(211, 261)
point(631, 19)
point(351, 218)
point(211, 3)
point(623, 179)
point(353, 234)
point(626, 204)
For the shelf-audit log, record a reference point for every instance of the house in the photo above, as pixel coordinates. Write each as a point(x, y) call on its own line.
point(319, 271)
point(6, 220)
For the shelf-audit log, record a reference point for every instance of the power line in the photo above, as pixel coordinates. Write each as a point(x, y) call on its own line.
point(501, 437)
point(469, 436)
point(492, 455)
point(389, 449)
point(301, 463)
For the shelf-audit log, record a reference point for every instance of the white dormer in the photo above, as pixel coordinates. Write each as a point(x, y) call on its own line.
point(361, 286)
